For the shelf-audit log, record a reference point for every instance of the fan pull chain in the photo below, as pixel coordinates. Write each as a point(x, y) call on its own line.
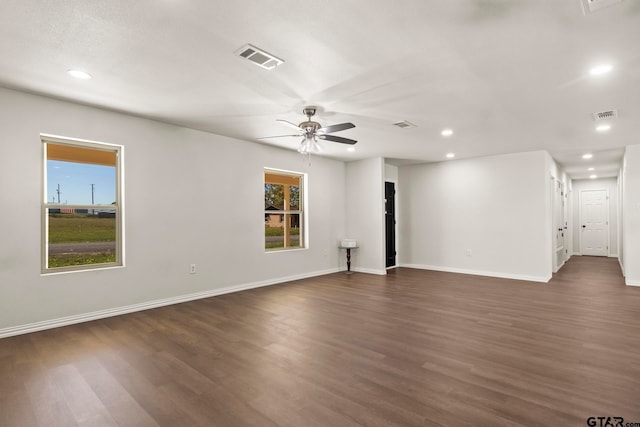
point(306, 158)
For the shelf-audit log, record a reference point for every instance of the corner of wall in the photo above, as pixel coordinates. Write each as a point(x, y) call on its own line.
point(365, 211)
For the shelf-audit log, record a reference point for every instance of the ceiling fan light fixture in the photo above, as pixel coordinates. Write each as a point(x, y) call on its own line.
point(312, 131)
point(309, 145)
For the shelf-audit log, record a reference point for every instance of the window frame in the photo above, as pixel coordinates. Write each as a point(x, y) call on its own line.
point(301, 211)
point(118, 206)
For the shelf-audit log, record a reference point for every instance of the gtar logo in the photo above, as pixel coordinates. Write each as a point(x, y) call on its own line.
point(605, 422)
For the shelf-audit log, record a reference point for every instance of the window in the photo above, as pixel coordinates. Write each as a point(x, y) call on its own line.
point(283, 214)
point(82, 206)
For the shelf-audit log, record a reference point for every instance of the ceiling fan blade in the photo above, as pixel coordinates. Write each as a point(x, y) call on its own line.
point(278, 136)
point(292, 125)
point(335, 128)
point(339, 139)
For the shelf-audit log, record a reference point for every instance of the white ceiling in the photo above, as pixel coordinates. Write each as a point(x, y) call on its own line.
point(506, 75)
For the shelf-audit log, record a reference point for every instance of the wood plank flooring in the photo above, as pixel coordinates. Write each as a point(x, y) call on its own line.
point(414, 348)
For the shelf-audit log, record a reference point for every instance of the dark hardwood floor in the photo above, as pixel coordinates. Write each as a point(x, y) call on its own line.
point(414, 348)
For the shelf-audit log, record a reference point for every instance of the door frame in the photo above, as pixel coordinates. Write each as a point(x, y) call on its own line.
point(563, 227)
point(607, 209)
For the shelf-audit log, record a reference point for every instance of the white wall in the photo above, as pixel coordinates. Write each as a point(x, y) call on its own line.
point(621, 231)
point(610, 184)
point(365, 222)
point(190, 197)
point(495, 207)
point(390, 173)
point(631, 214)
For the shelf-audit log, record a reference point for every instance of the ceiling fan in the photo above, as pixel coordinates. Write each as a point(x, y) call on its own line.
point(311, 131)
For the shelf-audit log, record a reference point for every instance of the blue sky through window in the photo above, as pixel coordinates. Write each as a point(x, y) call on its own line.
point(75, 181)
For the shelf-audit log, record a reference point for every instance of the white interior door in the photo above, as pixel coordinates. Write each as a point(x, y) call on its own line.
point(594, 217)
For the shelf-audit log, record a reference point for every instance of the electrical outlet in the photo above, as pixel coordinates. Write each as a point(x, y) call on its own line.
point(192, 269)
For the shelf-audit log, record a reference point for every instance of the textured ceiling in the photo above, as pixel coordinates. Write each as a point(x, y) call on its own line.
point(506, 75)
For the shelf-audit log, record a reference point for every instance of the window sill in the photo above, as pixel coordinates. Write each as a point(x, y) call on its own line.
point(274, 251)
point(55, 272)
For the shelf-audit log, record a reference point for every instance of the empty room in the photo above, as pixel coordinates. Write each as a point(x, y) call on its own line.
point(295, 213)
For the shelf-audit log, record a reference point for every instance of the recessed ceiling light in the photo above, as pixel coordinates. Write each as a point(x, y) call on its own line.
point(601, 69)
point(450, 155)
point(591, 169)
point(352, 149)
point(594, 176)
point(79, 74)
point(603, 128)
point(587, 156)
point(446, 132)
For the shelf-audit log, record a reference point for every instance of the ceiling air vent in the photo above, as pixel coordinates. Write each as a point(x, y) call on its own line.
point(590, 6)
point(404, 124)
point(259, 57)
point(605, 115)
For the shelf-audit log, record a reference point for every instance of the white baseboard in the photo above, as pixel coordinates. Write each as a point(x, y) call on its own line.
point(101, 314)
point(370, 271)
point(632, 282)
point(608, 256)
point(479, 273)
point(621, 266)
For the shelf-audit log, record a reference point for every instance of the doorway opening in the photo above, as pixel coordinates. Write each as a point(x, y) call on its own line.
point(390, 223)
